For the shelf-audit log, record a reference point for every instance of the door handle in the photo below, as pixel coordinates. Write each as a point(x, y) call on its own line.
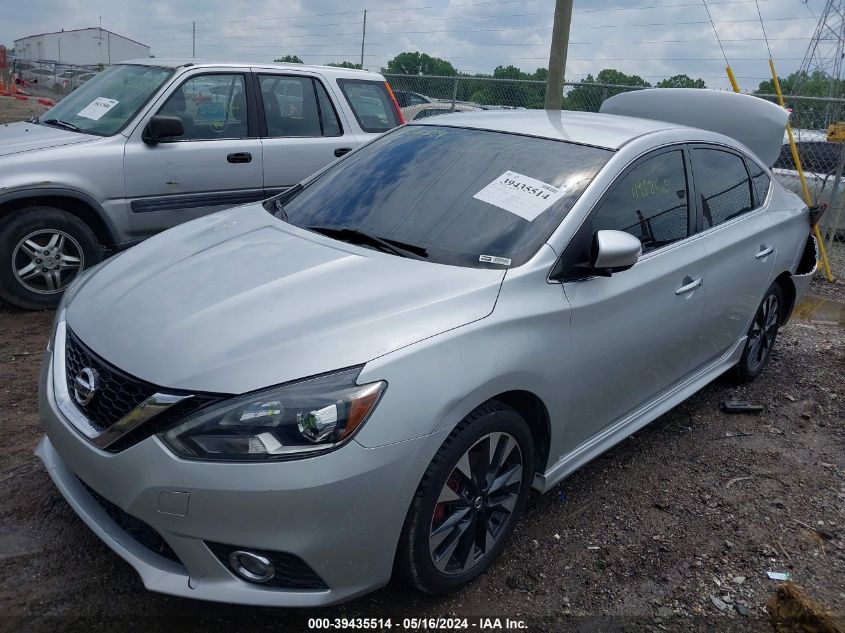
point(690, 284)
point(764, 250)
point(239, 157)
point(340, 151)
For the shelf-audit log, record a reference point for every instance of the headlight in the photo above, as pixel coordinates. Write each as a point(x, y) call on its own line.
point(293, 420)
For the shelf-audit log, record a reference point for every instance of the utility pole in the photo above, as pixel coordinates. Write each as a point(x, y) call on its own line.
point(363, 37)
point(193, 40)
point(557, 54)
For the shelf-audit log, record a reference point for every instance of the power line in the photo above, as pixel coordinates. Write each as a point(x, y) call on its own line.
point(223, 33)
point(763, 26)
point(522, 44)
point(457, 5)
point(716, 33)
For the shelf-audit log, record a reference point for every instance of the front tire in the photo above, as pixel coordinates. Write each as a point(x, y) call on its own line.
point(761, 335)
point(469, 500)
point(42, 250)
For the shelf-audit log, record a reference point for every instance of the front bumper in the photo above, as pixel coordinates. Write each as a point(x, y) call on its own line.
point(340, 513)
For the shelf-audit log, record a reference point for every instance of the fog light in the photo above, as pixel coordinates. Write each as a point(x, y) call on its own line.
point(251, 566)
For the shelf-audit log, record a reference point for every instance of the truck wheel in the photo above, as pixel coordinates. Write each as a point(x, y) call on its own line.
point(42, 250)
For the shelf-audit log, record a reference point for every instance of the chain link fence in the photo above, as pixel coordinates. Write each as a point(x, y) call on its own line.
point(50, 79)
point(421, 96)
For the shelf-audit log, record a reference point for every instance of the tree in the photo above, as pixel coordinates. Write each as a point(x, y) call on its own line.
point(681, 81)
point(618, 78)
point(816, 84)
point(807, 113)
point(588, 98)
point(415, 63)
point(519, 94)
point(344, 65)
point(289, 59)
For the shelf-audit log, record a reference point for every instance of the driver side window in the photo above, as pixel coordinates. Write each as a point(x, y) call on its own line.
point(211, 107)
point(650, 202)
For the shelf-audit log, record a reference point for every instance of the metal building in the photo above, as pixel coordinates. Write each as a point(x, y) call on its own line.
point(80, 47)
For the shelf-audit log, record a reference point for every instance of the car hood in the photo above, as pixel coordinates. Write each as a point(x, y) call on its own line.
point(26, 137)
point(239, 300)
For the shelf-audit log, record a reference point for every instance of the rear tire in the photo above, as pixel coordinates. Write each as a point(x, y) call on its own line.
point(465, 509)
point(42, 250)
point(761, 335)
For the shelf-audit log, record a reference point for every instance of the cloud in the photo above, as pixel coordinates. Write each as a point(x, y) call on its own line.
point(651, 38)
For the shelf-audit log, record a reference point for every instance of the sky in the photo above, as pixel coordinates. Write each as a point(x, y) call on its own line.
point(651, 38)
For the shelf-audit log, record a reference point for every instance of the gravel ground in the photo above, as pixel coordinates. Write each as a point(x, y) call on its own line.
point(674, 529)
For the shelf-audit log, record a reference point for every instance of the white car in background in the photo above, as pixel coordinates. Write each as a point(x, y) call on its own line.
point(425, 110)
point(818, 159)
point(42, 76)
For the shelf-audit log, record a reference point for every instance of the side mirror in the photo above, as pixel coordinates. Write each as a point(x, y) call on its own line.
point(614, 251)
point(161, 126)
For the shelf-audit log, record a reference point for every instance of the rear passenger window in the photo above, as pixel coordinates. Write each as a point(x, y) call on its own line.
point(297, 107)
point(722, 185)
point(760, 181)
point(371, 104)
point(649, 202)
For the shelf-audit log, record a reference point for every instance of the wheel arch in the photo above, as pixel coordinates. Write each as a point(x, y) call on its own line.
point(71, 201)
point(787, 287)
point(533, 410)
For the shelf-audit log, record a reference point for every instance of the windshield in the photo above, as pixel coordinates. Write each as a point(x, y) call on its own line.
point(105, 104)
point(468, 197)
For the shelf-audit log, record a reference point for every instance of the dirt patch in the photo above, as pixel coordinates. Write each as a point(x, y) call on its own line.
point(791, 610)
point(675, 528)
point(12, 110)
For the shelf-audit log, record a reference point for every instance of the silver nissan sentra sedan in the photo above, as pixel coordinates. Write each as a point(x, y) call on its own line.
point(280, 404)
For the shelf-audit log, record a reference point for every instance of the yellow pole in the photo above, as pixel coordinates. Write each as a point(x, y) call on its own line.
point(797, 160)
point(732, 78)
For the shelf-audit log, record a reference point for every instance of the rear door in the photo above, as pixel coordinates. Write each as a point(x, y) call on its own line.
point(740, 240)
point(215, 164)
point(301, 128)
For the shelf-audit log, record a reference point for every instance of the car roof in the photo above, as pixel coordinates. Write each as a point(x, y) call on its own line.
point(334, 71)
point(609, 131)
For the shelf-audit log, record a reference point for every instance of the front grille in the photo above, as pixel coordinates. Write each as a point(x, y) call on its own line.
point(142, 532)
point(291, 571)
point(117, 394)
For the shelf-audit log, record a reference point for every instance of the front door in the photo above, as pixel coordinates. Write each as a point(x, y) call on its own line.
point(302, 129)
point(632, 334)
point(215, 164)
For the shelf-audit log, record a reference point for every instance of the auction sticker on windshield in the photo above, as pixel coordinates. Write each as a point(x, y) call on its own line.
point(522, 195)
point(97, 108)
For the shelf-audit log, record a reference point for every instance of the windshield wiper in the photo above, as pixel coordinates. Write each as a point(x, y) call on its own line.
point(348, 234)
point(276, 205)
point(62, 124)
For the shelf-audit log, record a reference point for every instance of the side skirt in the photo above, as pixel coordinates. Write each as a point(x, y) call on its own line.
point(632, 423)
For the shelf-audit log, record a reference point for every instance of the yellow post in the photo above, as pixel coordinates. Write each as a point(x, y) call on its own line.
point(732, 78)
point(797, 160)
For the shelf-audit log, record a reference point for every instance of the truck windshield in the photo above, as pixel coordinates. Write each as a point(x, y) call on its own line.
point(451, 195)
point(106, 103)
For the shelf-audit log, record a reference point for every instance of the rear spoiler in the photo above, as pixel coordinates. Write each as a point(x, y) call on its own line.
point(754, 122)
